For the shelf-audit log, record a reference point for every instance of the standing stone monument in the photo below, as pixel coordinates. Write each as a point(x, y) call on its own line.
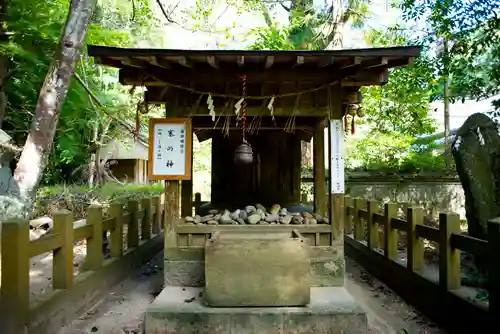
point(476, 150)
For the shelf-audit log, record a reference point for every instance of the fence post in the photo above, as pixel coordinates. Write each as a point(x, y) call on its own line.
point(494, 270)
point(359, 204)
point(414, 217)
point(15, 291)
point(94, 243)
point(133, 227)
point(347, 217)
point(391, 234)
point(373, 240)
point(449, 258)
point(62, 267)
point(157, 216)
point(197, 201)
point(146, 223)
point(116, 234)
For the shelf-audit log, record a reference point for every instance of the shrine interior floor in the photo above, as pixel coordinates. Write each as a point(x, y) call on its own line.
point(122, 310)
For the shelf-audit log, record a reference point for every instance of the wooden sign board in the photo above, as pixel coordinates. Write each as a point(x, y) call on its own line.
point(337, 156)
point(170, 149)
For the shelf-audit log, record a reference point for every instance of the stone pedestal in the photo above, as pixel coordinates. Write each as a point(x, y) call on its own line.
point(182, 310)
point(182, 306)
point(243, 269)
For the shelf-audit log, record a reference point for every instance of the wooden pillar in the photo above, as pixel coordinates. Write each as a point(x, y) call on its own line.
point(136, 170)
point(336, 164)
point(320, 198)
point(187, 191)
point(171, 212)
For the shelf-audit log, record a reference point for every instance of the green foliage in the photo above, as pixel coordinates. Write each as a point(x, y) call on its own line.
point(37, 27)
point(309, 26)
point(473, 31)
point(272, 38)
point(391, 153)
point(77, 198)
point(401, 107)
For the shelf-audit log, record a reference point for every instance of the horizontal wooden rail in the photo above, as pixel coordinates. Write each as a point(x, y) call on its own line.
point(399, 224)
point(469, 244)
point(143, 220)
point(428, 232)
point(362, 214)
point(45, 244)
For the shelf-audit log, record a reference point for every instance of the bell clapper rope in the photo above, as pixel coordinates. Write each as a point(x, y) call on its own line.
point(244, 106)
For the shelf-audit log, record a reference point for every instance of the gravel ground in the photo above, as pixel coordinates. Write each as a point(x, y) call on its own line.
point(122, 310)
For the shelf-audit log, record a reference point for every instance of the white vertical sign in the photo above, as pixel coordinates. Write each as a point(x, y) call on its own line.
point(169, 149)
point(337, 156)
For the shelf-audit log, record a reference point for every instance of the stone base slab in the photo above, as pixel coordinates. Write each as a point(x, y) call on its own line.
point(182, 310)
point(324, 273)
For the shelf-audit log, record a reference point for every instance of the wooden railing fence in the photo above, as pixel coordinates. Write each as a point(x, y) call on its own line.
point(365, 221)
point(143, 220)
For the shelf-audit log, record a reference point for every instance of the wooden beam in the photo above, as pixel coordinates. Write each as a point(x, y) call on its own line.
point(401, 62)
point(210, 76)
point(313, 111)
point(352, 98)
point(203, 135)
point(212, 62)
point(269, 61)
point(375, 63)
point(367, 78)
point(160, 62)
point(326, 61)
point(302, 122)
point(184, 62)
point(336, 106)
point(299, 61)
point(159, 95)
point(352, 62)
point(320, 197)
point(134, 62)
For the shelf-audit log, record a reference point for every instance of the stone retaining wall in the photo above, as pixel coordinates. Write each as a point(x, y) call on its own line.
point(436, 194)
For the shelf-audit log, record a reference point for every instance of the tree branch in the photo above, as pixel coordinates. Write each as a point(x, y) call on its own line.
point(10, 148)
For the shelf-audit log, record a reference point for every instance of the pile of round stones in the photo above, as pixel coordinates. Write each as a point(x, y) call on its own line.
point(257, 214)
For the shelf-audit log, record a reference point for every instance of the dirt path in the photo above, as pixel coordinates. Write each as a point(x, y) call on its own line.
point(387, 312)
point(122, 310)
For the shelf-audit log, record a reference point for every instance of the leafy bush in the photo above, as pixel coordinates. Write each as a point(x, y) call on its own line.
point(77, 198)
point(392, 153)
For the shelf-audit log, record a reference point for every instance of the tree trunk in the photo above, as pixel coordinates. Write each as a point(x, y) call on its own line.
point(4, 62)
point(446, 100)
point(52, 95)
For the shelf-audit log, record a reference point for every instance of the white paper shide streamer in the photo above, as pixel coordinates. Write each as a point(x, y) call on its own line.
point(211, 108)
point(270, 106)
point(237, 106)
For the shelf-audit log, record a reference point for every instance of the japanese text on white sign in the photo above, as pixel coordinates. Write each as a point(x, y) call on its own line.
point(337, 156)
point(169, 149)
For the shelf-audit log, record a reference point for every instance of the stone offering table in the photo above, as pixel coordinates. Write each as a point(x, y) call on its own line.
point(253, 279)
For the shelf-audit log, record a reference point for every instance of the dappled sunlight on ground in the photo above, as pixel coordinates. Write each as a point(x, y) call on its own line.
point(41, 271)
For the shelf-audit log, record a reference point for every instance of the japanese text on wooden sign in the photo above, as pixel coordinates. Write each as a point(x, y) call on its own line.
point(170, 149)
point(337, 156)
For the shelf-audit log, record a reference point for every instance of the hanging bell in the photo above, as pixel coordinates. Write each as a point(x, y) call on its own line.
point(243, 155)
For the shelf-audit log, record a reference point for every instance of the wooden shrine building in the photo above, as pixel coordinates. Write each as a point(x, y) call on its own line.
point(289, 96)
point(263, 103)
